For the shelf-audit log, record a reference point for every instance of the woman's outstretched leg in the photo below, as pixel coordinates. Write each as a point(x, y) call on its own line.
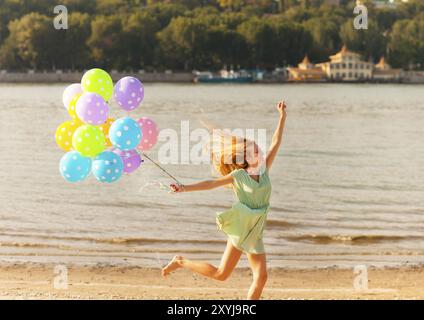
point(258, 264)
point(229, 261)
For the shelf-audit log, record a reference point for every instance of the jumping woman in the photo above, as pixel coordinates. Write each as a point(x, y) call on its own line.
point(241, 166)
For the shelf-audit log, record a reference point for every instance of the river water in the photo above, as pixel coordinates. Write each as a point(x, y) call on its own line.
point(348, 183)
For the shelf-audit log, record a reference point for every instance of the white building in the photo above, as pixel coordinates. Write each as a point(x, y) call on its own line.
point(347, 66)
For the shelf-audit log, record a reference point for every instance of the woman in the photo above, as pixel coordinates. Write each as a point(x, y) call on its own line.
point(244, 222)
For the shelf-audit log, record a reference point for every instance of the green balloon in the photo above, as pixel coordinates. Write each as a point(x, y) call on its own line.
point(88, 140)
point(98, 81)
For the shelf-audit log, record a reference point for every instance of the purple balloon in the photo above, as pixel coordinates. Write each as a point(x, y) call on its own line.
point(129, 93)
point(131, 159)
point(92, 109)
point(70, 92)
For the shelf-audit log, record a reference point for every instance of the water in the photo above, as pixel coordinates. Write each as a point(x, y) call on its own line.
point(347, 185)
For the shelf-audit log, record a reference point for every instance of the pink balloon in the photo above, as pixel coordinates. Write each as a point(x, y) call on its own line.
point(70, 92)
point(150, 134)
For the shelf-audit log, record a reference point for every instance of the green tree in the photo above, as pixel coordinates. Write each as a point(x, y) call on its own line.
point(232, 4)
point(371, 42)
point(34, 40)
point(260, 38)
point(106, 42)
point(325, 36)
point(140, 38)
point(182, 44)
point(407, 43)
point(227, 47)
point(292, 41)
point(164, 13)
point(76, 52)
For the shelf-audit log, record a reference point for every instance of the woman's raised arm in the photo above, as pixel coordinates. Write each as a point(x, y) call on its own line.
point(278, 135)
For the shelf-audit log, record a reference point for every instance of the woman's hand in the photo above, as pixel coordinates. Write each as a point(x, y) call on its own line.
point(177, 188)
point(281, 107)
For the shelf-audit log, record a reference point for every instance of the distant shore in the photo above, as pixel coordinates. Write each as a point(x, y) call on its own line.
point(157, 77)
point(72, 77)
point(32, 281)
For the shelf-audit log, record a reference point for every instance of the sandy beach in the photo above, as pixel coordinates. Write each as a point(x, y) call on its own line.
point(34, 281)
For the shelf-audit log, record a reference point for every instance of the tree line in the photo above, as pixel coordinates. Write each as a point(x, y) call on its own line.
point(202, 34)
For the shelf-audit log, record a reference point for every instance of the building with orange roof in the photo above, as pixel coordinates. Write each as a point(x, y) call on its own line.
point(306, 72)
point(383, 72)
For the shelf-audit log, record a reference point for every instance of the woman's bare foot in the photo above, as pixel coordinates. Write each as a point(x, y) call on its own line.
point(172, 266)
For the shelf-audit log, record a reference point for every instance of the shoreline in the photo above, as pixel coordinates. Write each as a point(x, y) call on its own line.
point(166, 77)
point(37, 281)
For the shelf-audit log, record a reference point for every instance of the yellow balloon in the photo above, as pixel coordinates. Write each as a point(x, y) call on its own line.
point(105, 127)
point(65, 132)
point(72, 109)
point(88, 140)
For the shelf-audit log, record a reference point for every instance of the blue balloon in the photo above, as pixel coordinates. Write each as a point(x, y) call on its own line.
point(107, 167)
point(74, 167)
point(125, 134)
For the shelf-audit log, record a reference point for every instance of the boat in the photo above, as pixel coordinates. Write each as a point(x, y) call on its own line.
point(224, 76)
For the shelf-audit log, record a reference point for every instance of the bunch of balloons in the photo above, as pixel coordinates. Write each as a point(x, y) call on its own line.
point(94, 141)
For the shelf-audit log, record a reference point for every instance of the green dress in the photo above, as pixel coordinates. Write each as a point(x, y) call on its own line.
point(244, 223)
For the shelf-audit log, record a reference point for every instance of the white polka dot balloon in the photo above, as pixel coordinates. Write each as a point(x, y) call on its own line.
point(131, 159)
point(125, 134)
point(107, 167)
point(150, 134)
point(129, 93)
point(92, 109)
point(98, 81)
point(70, 93)
point(74, 167)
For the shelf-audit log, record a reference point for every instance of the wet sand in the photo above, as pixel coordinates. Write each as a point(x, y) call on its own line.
point(35, 281)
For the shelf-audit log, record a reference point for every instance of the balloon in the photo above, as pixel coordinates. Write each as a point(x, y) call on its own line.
point(107, 167)
point(129, 93)
point(65, 132)
point(74, 167)
point(131, 159)
point(98, 81)
point(70, 93)
point(150, 134)
point(72, 107)
point(125, 134)
point(88, 140)
point(105, 127)
point(92, 109)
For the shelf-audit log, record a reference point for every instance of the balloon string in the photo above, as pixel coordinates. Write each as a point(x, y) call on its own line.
point(157, 165)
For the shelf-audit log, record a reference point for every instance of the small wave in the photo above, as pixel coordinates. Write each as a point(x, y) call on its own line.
point(356, 239)
point(126, 205)
point(285, 210)
point(149, 240)
point(280, 224)
point(117, 240)
point(88, 250)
